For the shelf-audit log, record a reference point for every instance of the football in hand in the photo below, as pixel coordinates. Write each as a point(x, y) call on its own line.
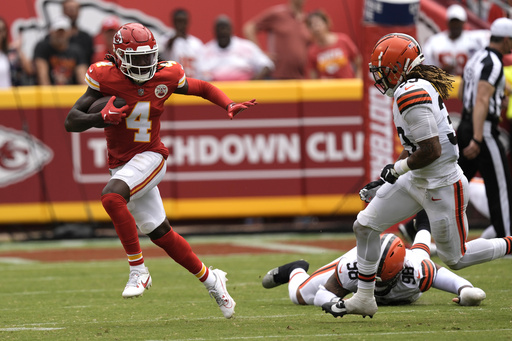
point(100, 103)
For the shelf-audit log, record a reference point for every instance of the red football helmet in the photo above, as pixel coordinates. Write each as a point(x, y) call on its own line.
point(392, 256)
point(393, 57)
point(136, 52)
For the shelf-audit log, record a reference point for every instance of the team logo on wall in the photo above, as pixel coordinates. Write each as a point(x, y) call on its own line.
point(161, 90)
point(21, 156)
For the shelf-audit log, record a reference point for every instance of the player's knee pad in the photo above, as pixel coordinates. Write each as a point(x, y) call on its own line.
point(147, 221)
point(147, 227)
point(440, 230)
point(360, 230)
point(447, 242)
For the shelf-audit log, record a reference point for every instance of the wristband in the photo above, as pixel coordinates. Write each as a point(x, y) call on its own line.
point(477, 142)
point(401, 166)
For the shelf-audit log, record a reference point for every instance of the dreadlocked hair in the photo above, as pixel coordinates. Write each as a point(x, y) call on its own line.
point(441, 79)
point(110, 58)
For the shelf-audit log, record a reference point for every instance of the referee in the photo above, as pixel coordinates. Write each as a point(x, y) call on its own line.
point(483, 87)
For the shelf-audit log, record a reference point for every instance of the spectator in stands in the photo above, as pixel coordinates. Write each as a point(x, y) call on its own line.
point(451, 49)
point(57, 60)
point(289, 38)
point(5, 66)
point(182, 47)
point(103, 41)
point(71, 9)
point(15, 68)
point(228, 57)
point(331, 55)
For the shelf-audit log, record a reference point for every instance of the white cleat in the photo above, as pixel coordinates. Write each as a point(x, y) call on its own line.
point(138, 281)
point(359, 304)
point(220, 292)
point(470, 297)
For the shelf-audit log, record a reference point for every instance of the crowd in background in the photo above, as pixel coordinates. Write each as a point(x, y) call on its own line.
point(302, 46)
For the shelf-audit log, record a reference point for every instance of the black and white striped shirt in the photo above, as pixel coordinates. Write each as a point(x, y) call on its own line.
point(485, 65)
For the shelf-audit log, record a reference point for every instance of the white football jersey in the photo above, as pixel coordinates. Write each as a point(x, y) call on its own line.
point(240, 60)
point(452, 55)
point(415, 99)
point(417, 277)
point(188, 52)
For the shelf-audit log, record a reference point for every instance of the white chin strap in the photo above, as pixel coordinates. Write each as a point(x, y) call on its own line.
point(390, 92)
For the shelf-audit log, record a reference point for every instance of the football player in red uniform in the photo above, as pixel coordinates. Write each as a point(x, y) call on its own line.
point(136, 155)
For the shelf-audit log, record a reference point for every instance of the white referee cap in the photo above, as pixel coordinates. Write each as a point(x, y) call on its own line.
point(502, 27)
point(456, 12)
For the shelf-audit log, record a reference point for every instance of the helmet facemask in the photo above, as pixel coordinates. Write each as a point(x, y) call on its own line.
point(139, 65)
point(386, 78)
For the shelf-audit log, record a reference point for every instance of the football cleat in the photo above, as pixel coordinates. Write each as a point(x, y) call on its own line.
point(138, 281)
point(470, 297)
point(281, 275)
point(360, 305)
point(408, 230)
point(336, 307)
point(221, 295)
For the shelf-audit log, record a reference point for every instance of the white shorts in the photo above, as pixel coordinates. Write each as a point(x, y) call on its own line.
point(445, 207)
point(142, 174)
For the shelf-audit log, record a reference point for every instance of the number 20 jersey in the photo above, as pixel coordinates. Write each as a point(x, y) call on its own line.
point(412, 99)
point(140, 130)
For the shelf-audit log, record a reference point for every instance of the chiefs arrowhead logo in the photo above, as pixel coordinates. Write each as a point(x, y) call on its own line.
point(21, 156)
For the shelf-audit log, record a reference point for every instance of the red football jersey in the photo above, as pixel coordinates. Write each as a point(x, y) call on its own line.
point(333, 61)
point(140, 130)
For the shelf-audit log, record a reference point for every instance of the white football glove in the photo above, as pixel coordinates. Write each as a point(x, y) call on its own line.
point(368, 192)
point(470, 297)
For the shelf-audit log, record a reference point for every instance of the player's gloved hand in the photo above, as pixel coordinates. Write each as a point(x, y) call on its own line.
point(389, 174)
point(111, 114)
point(469, 296)
point(236, 108)
point(368, 192)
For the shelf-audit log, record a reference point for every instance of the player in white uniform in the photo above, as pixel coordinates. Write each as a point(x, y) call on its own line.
point(451, 49)
point(404, 275)
point(426, 175)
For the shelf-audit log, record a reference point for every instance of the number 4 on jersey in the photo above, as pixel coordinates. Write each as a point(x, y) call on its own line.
point(139, 120)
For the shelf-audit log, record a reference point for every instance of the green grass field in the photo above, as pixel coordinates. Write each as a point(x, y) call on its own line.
point(82, 301)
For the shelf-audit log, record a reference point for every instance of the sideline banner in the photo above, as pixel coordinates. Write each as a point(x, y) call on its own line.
point(382, 17)
point(299, 152)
